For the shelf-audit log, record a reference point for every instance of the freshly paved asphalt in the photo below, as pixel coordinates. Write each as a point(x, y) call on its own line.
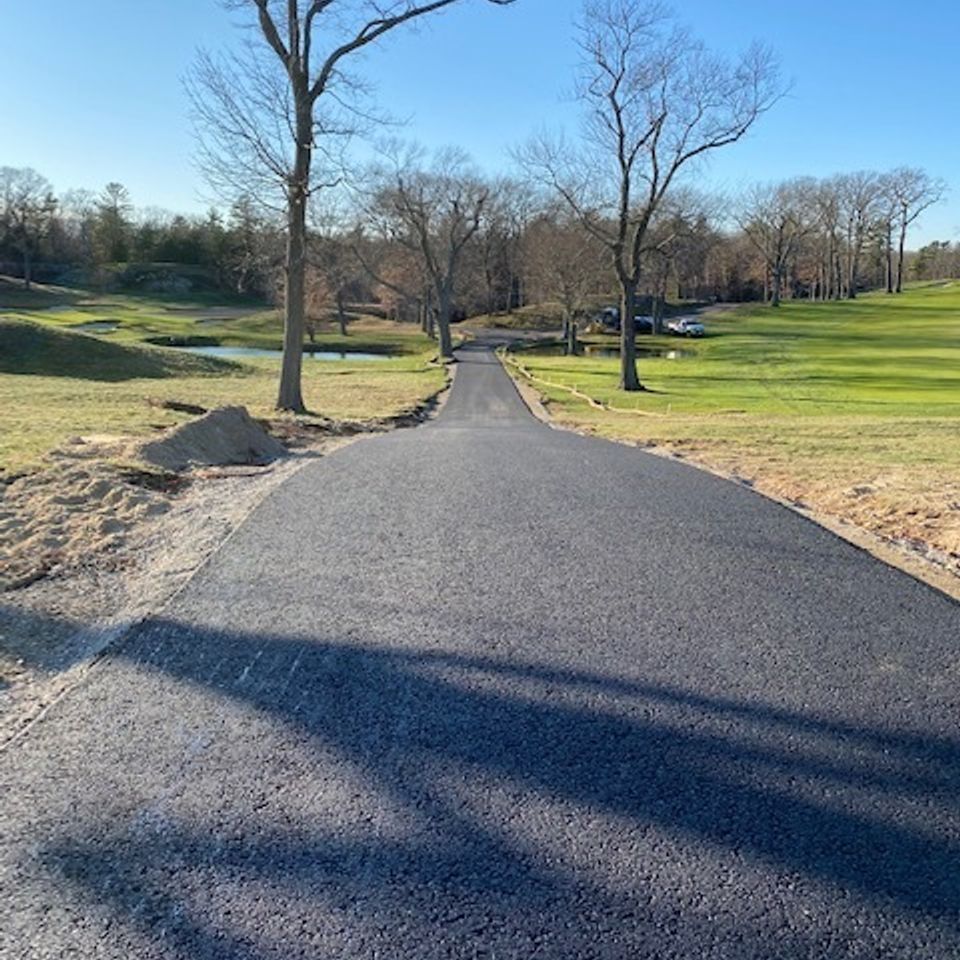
point(484, 689)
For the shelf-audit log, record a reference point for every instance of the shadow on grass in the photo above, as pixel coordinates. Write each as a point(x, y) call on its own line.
point(34, 349)
point(489, 768)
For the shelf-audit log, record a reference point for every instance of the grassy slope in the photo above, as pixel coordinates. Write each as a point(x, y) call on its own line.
point(56, 383)
point(204, 318)
point(850, 407)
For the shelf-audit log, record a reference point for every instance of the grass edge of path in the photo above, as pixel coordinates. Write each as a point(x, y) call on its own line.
point(909, 561)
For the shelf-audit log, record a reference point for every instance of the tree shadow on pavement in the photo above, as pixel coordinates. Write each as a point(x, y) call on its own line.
point(489, 809)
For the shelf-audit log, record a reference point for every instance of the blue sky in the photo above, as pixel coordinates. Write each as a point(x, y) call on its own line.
point(93, 90)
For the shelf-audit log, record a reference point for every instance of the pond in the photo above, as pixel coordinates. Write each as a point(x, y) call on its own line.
point(239, 353)
point(595, 350)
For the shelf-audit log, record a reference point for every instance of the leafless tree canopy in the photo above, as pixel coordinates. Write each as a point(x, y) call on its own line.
point(27, 205)
point(775, 218)
point(433, 212)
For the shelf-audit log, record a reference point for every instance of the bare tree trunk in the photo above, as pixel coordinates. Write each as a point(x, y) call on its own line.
point(27, 268)
point(491, 294)
point(853, 270)
point(443, 322)
point(341, 314)
point(427, 311)
point(659, 300)
point(900, 246)
point(290, 396)
point(572, 349)
point(629, 380)
point(775, 294)
point(888, 261)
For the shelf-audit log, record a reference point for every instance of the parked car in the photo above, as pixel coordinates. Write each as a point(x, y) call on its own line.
point(686, 327)
point(610, 318)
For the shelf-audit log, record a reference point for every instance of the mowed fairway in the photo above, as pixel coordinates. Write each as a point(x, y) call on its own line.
point(851, 408)
point(57, 382)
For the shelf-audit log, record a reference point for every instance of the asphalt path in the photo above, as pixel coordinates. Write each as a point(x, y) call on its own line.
point(485, 689)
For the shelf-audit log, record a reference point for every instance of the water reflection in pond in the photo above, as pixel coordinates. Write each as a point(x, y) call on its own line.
point(239, 353)
point(597, 350)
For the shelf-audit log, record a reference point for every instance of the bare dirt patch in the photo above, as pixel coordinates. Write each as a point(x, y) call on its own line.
point(52, 628)
point(225, 436)
point(61, 515)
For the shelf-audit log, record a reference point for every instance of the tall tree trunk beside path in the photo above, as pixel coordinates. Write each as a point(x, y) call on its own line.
point(655, 99)
point(256, 130)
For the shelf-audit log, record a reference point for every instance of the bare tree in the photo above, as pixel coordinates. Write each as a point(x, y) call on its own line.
point(335, 273)
point(27, 205)
point(434, 213)
point(775, 218)
point(860, 197)
point(500, 241)
point(564, 260)
point(656, 100)
point(912, 191)
point(273, 117)
point(825, 210)
point(680, 238)
point(397, 272)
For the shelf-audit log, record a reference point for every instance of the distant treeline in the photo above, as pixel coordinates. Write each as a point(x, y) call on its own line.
point(801, 238)
point(101, 240)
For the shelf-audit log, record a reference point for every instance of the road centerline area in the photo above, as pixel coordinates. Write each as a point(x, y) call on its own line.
point(487, 689)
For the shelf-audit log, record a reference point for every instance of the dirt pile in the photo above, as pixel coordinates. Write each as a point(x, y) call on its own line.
point(61, 516)
point(228, 435)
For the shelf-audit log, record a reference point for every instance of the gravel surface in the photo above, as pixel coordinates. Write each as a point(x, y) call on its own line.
point(487, 689)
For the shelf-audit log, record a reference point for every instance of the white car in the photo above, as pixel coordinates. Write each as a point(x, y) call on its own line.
point(685, 327)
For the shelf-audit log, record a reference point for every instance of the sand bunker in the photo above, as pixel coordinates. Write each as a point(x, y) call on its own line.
point(60, 516)
point(225, 436)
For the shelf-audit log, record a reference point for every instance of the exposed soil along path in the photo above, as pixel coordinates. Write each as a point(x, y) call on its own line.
point(487, 689)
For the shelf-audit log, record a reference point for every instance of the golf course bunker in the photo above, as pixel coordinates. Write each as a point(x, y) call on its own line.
point(222, 437)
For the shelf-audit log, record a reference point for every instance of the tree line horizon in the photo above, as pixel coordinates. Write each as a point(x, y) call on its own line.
point(728, 249)
point(609, 212)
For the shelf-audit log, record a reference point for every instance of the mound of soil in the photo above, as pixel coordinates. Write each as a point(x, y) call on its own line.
point(228, 435)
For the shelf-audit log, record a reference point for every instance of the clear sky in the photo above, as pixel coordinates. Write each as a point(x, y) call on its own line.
point(92, 90)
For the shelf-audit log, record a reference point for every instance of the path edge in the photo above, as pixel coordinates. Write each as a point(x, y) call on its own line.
point(924, 571)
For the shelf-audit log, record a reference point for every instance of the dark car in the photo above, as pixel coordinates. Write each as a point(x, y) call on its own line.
point(610, 318)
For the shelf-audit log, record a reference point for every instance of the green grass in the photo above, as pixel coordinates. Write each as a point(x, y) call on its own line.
point(812, 401)
point(872, 356)
point(196, 318)
point(28, 348)
point(56, 383)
